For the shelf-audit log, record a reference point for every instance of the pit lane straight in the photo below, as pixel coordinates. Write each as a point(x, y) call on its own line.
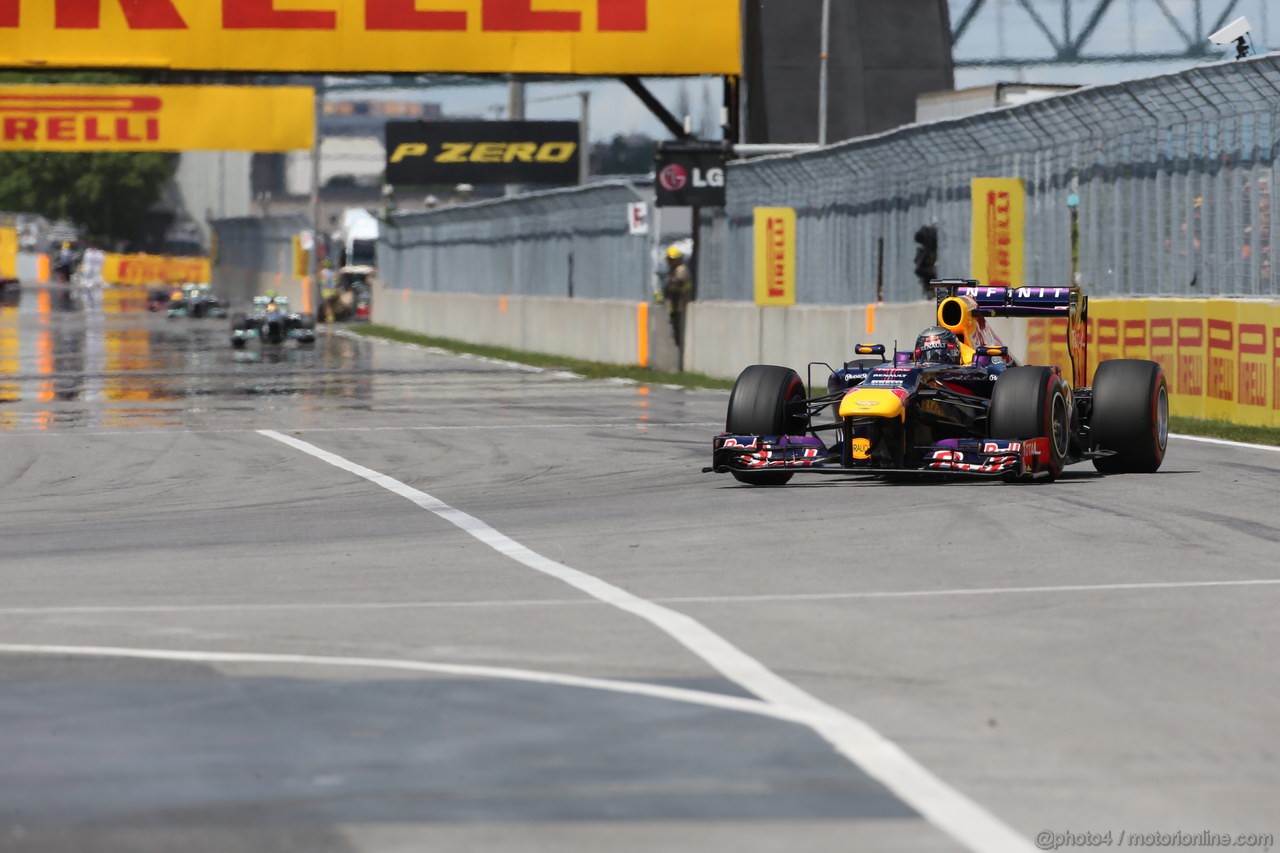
point(168, 523)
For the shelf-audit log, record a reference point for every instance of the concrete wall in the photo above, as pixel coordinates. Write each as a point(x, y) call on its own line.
point(722, 337)
point(604, 330)
point(238, 286)
point(725, 337)
point(28, 267)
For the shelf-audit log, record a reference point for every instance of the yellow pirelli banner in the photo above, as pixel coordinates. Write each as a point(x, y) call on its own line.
point(998, 231)
point(154, 269)
point(604, 37)
point(301, 257)
point(1221, 356)
point(156, 118)
point(8, 253)
point(775, 255)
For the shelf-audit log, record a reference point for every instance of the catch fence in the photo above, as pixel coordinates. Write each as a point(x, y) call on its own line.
point(572, 243)
point(1174, 174)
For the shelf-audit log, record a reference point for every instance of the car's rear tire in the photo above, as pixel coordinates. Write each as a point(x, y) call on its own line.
point(1032, 402)
point(766, 400)
point(1130, 416)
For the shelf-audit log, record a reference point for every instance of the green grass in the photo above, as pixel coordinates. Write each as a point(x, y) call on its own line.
point(598, 370)
point(1225, 429)
point(588, 369)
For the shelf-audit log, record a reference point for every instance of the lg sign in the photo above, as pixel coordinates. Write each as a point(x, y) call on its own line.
point(676, 177)
point(393, 15)
point(713, 178)
point(691, 174)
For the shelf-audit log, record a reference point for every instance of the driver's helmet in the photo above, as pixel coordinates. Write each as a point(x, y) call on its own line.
point(937, 345)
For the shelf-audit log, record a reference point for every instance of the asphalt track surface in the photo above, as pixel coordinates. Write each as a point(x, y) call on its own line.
point(370, 597)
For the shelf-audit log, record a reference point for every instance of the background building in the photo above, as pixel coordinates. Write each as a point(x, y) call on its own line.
point(883, 54)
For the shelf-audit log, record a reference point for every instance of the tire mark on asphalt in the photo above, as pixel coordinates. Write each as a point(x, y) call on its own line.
point(1255, 529)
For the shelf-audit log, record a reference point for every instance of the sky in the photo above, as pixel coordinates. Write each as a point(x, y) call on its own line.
point(1002, 27)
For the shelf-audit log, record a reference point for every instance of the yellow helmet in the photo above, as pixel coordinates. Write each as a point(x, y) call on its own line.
point(674, 253)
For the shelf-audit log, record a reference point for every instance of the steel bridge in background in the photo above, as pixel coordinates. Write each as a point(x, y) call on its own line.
point(1074, 32)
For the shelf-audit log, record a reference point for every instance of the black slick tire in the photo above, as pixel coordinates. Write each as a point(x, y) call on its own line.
point(766, 400)
point(1032, 402)
point(1130, 416)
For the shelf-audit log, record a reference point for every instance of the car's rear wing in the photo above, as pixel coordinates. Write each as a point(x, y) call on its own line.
point(1039, 301)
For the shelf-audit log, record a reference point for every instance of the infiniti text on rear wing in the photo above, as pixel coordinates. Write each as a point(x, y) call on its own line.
point(1035, 302)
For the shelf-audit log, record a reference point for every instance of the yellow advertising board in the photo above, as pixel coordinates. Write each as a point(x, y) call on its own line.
point(998, 231)
point(775, 235)
point(156, 118)
point(1221, 356)
point(8, 253)
point(301, 257)
point(602, 37)
point(154, 269)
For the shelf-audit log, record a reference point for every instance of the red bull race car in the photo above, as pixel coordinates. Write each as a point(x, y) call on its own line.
point(958, 404)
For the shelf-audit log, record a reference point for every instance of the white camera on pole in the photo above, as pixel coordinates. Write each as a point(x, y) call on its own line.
point(1237, 31)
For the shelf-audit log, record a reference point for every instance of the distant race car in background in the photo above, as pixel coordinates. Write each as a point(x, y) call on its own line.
point(978, 413)
point(271, 322)
point(195, 300)
point(158, 299)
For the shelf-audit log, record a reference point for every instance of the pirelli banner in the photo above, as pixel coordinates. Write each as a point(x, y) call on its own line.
point(482, 152)
point(156, 118)
point(998, 231)
point(775, 255)
point(600, 37)
point(154, 269)
point(1221, 356)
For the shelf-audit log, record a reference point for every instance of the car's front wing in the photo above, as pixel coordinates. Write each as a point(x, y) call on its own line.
point(805, 454)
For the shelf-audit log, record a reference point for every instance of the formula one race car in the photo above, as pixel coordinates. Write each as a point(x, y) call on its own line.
point(195, 300)
point(271, 322)
point(958, 404)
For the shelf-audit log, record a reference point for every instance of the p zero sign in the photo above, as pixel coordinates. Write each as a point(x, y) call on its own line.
point(156, 118)
point(690, 174)
point(603, 37)
point(482, 152)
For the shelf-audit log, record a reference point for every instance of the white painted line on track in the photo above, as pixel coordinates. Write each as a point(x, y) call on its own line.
point(634, 688)
point(978, 591)
point(1225, 442)
point(948, 809)
point(1153, 586)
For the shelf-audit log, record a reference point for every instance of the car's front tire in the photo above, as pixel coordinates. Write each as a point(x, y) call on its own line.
point(766, 400)
point(1032, 402)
